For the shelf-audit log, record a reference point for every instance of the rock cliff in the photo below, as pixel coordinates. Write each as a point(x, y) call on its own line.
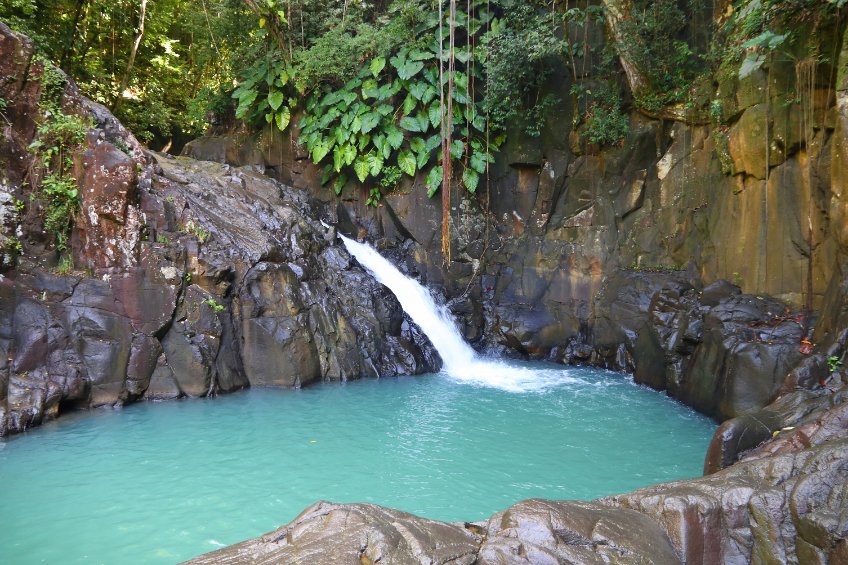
point(188, 278)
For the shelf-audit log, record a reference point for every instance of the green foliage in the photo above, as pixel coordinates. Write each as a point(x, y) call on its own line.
point(58, 136)
point(13, 246)
point(373, 109)
point(605, 121)
point(213, 304)
point(833, 363)
point(652, 39)
point(519, 52)
point(65, 265)
point(196, 230)
point(759, 29)
point(185, 64)
point(716, 111)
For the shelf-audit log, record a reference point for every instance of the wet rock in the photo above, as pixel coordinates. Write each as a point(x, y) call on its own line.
point(224, 149)
point(543, 531)
point(327, 533)
point(740, 514)
point(720, 290)
point(107, 230)
point(749, 346)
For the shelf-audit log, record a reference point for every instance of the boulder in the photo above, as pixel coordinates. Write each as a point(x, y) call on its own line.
point(332, 534)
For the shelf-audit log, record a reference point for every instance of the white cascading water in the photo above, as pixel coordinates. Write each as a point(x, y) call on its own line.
point(459, 360)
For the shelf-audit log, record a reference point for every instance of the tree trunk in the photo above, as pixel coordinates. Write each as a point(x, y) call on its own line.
point(618, 12)
point(69, 46)
point(125, 81)
point(274, 22)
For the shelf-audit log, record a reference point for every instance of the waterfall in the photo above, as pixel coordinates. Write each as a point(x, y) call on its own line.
point(460, 362)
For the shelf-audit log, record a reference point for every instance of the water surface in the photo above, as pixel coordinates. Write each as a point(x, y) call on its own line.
point(159, 483)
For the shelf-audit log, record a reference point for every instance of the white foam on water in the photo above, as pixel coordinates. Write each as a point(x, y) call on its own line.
point(460, 362)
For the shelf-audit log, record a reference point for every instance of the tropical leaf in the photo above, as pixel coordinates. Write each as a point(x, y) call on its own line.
point(338, 158)
point(349, 154)
point(339, 183)
point(369, 122)
point(433, 142)
point(320, 150)
point(385, 109)
point(394, 136)
point(361, 168)
point(417, 90)
point(283, 118)
point(341, 134)
point(419, 55)
point(348, 98)
point(377, 65)
point(457, 149)
point(409, 104)
point(363, 142)
point(331, 99)
point(423, 121)
point(275, 99)
point(410, 69)
point(470, 178)
point(370, 89)
point(398, 61)
point(375, 163)
point(752, 63)
point(478, 162)
point(435, 114)
point(246, 99)
point(410, 124)
point(434, 180)
point(417, 144)
point(406, 163)
point(429, 94)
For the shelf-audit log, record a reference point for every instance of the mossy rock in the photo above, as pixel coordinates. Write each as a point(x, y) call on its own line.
point(721, 142)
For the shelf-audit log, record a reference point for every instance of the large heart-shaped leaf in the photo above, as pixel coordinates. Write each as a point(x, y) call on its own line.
point(283, 118)
point(361, 168)
point(369, 122)
point(470, 178)
point(434, 180)
point(377, 65)
point(275, 99)
point(410, 124)
point(375, 163)
point(406, 163)
point(394, 136)
point(410, 69)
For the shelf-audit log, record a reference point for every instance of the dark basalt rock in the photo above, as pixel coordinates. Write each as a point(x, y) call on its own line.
point(243, 288)
point(193, 278)
point(544, 531)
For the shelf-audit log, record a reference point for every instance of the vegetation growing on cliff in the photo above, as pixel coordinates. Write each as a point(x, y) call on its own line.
point(58, 137)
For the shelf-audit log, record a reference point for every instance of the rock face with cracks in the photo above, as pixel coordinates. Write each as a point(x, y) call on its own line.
point(191, 278)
